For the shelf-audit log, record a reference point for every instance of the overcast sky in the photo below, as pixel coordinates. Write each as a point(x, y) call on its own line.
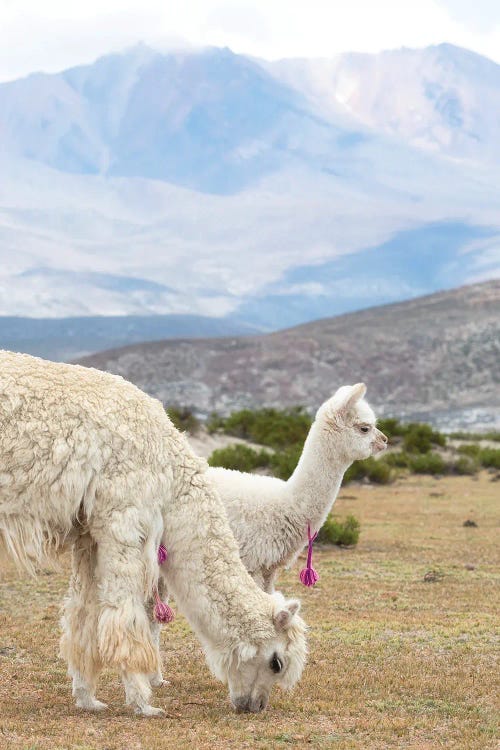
point(54, 34)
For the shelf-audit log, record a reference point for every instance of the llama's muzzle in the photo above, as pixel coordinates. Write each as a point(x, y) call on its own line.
point(247, 704)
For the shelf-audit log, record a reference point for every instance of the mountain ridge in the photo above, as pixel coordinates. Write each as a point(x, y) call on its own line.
point(208, 183)
point(433, 358)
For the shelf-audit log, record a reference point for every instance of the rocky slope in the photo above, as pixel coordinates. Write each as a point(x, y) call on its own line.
point(435, 358)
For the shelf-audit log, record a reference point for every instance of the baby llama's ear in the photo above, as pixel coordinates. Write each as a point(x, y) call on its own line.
point(354, 394)
point(285, 613)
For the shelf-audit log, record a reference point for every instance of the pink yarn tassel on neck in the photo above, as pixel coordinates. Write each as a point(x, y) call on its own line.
point(308, 575)
point(162, 612)
point(162, 554)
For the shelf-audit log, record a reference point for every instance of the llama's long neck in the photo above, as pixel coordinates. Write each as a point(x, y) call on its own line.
point(314, 484)
point(204, 571)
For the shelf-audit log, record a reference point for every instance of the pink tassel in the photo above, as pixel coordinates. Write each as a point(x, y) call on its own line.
point(308, 575)
point(162, 612)
point(162, 554)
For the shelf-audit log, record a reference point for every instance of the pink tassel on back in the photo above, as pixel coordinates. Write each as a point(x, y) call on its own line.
point(162, 612)
point(308, 575)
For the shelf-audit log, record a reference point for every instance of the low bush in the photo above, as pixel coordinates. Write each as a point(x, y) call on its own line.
point(489, 458)
point(398, 459)
point(239, 457)
point(183, 418)
point(273, 427)
point(344, 533)
point(419, 438)
point(428, 463)
point(214, 423)
point(469, 450)
point(378, 472)
point(283, 463)
point(465, 465)
point(486, 457)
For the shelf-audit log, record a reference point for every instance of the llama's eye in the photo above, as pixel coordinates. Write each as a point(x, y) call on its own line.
point(276, 665)
point(364, 428)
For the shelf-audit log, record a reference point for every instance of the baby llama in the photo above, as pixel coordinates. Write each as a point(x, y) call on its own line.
point(89, 461)
point(270, 518)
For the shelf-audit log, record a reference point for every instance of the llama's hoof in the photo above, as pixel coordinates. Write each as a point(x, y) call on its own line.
point(90, 704)
point(149, 711)
point(157, 682)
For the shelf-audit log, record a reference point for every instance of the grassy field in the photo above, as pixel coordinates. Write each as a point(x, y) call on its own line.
point(396, 661)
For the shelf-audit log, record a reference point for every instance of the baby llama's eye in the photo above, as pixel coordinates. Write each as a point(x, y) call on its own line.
point(275, 665)
point(364, 428)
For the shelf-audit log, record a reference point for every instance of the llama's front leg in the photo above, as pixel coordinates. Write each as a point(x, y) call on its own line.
point(123, 629)
point(79, 623)
point(138, 693)
point(84, 693)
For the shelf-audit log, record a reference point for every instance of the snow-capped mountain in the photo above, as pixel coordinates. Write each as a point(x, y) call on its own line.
point(443, 98)
point(209, 183)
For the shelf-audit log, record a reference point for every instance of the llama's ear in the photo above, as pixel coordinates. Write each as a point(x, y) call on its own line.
point(352, 396)
point(285, 614)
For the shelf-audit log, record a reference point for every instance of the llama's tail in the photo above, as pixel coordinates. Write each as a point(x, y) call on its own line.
point(30, 543)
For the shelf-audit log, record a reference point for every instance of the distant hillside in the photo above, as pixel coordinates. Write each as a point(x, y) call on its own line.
point(67, 338)
point(435, 358)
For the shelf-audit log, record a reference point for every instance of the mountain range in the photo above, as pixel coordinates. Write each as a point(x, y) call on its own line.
point(434, 359)
point(210, 184)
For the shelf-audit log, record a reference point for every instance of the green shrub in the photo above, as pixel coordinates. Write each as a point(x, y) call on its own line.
point(214, 423)
point(489, 458)
point(428, 463)
point(486, 457)
point(339, 532)
point(378, 472)
point(469, 450)
point(398, 459)
point(272, 427)
point(240, 457)
point(283, 463)
point(419, 438)
point(183, 418)
point(465, 465)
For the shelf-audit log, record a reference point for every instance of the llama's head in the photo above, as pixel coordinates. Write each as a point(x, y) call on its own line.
point(349, 424)
point(251, 669)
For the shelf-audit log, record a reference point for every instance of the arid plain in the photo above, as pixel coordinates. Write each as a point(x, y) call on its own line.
point(403, 644)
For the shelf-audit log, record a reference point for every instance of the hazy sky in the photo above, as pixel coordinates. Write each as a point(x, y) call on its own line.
point(54, 34)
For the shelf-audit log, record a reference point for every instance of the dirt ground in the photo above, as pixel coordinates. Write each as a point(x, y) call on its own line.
point(403, 644)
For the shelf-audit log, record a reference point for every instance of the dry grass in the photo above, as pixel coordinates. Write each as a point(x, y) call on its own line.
point(395, 662)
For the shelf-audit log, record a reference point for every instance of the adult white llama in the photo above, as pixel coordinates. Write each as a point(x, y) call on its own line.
point(88, 460)
point(270, 517)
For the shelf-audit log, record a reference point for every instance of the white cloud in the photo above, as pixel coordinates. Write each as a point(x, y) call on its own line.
point(480, 15)
point(56, 34)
